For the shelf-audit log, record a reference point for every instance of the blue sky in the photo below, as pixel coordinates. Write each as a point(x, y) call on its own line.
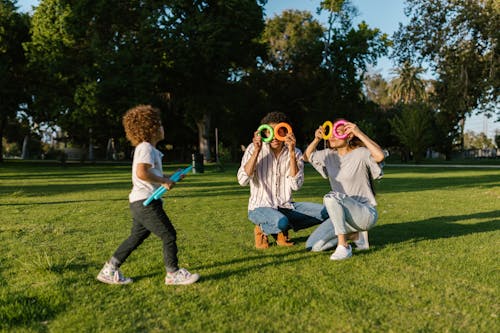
point(383, 14)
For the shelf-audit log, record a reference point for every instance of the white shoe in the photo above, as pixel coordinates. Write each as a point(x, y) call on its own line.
point(181, 276)
point(362, 242)
point(342, 253)
point(111, 274)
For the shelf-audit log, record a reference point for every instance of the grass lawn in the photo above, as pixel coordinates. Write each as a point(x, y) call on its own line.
point(433, 265)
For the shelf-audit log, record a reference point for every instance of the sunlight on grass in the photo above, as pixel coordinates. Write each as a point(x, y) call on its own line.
point(432, 265)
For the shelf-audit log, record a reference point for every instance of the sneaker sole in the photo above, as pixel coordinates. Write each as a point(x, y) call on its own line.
point(103, 280)
point(193, 279)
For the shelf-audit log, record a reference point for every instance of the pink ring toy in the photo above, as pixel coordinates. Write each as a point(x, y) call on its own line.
point(337, 124)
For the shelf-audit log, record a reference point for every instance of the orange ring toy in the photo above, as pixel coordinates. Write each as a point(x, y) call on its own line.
point(279, 126)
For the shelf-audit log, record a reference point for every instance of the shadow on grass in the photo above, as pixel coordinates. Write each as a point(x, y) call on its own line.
point(223, 274)
point(436, 228)
point(280, 258)
point(56, 189)
point(31, 311)
point(124, 199)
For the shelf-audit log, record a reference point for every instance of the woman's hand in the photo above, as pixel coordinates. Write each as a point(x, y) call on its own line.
point(318, 134)
point(352, 128)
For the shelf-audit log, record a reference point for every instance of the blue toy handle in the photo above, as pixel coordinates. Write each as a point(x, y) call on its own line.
point(162, 189)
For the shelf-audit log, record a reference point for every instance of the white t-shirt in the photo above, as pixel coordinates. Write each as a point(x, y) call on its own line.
point(145, 153)
point(349, 174)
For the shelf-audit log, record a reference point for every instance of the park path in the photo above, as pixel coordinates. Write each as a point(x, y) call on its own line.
point(444, 166)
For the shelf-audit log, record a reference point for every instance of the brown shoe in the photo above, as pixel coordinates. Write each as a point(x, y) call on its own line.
point(282, 239)
point(261, 241)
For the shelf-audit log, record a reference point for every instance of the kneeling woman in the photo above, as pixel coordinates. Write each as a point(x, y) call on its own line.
point(350, 164)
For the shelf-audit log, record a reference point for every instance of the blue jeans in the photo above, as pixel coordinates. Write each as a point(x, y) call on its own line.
point(302, 216)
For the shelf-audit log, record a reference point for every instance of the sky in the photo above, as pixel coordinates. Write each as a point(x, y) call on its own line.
point(383, 14)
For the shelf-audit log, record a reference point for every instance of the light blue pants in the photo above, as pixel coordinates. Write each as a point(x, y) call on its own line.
point(302, 216)
point(323, 238)
point(349, 215)
point(346, 216)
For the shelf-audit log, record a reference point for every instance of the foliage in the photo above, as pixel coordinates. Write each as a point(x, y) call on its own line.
point(14, 30)
point(294, 41)
point(477, 141)
point(68, 221)
point(377, 90)
point(119, 58)
point(210, 52)
point(408, 86)
point(459, 40)
point(413, 129)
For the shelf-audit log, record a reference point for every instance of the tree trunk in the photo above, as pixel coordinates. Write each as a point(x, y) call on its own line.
point(3, 122)
point(203, 125)
point(25, 151)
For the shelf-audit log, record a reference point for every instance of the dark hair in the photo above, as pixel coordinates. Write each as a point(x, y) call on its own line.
point(275, 117)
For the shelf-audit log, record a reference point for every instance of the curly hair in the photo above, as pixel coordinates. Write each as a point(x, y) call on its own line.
point(141, 123)
point(275, 117)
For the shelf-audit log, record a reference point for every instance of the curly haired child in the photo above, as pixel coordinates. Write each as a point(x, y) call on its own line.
point(144, 130)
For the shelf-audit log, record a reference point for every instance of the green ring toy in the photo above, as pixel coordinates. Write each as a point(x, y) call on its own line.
point(271, 132)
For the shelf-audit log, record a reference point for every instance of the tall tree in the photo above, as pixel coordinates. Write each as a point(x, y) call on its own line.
point(377, 90)
point(459, 40)
point(413, 129)
point(294, 41)
point(93, 60)
point(408, 86)
point(212, 44)
point(14, 31)
point(348, 51)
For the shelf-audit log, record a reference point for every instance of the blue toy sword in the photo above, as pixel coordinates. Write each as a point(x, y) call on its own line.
point(162, 189)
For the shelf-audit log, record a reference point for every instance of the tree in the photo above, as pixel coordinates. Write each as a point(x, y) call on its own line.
point(347, 52)
point(377, 90)
point(477, 141)
point(14, 30)
point(93, 60)
point(408, 86)
point(413, 129)
point(294, 41)
point(459, 40)
point(213, 44)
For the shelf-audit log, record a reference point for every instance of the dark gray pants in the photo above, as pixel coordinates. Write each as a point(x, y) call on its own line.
point(147, 220)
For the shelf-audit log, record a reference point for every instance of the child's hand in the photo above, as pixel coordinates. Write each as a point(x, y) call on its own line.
point(167, 183)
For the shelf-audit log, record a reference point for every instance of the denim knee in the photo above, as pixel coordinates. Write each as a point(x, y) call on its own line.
point(283, 223)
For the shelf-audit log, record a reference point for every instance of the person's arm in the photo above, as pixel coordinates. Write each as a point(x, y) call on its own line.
point(291, 143)
point(373, 147)
point(318, 135)
point(144, 173)
point(252, 162)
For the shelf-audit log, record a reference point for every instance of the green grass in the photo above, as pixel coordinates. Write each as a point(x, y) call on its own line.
point(433, 265)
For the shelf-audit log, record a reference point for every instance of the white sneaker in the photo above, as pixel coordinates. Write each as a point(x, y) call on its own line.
point(181, 276)
point(342, 253)
point(111, 274)
point(362, 242)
